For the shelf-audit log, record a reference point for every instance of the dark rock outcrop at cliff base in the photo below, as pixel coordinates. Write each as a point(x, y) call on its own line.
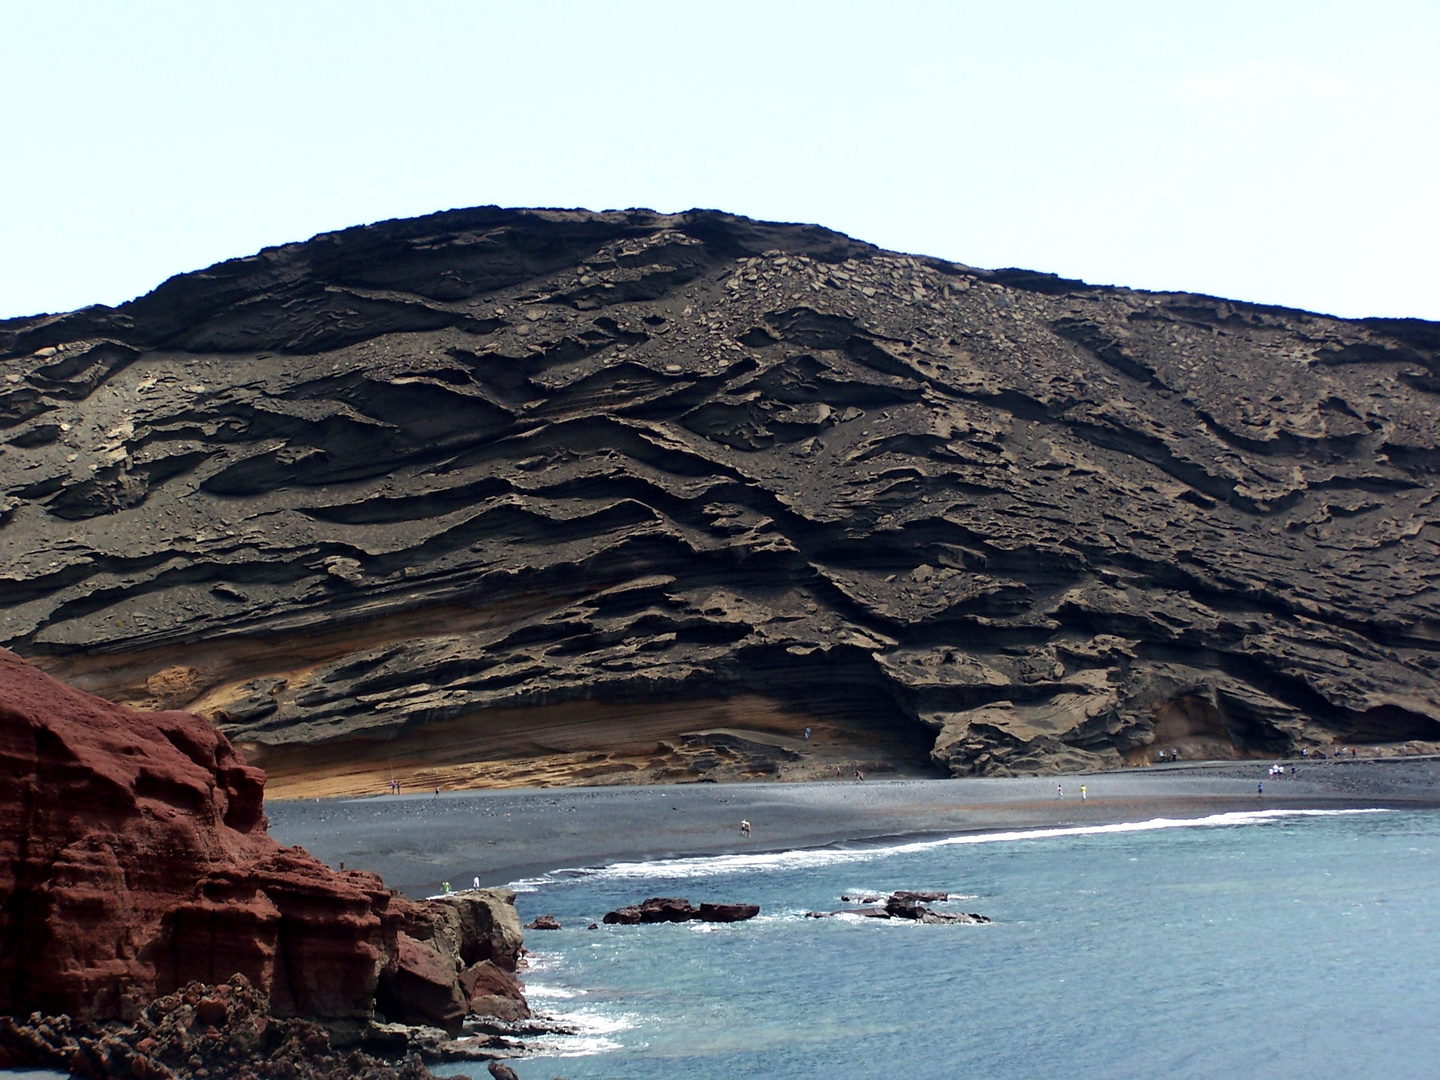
point(134, 860)
point(198, 1031)
point(428, 471)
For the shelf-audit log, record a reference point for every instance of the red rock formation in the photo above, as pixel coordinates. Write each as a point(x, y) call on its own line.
point(134, 858)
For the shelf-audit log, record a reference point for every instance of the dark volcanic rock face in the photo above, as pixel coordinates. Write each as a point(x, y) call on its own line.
point(428, 471)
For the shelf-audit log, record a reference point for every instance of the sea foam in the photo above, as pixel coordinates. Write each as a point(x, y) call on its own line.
point(790, 860)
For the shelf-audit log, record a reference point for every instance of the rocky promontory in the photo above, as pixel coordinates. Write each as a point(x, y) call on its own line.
point(134, 861)
point(503, 496)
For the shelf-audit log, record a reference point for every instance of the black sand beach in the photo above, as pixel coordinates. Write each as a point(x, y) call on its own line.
point(418, 841)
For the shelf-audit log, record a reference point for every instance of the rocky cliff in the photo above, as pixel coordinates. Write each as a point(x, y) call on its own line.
point(134, 859)
point(628, 494)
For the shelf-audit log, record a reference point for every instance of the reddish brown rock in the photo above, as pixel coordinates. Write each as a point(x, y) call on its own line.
point(543, 922)
point(421, 986)
point(134, 859)
point(492, 991)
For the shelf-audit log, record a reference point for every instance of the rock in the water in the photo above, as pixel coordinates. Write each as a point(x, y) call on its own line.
point(722, 913)
point(543, 922)
point(906, 904)
point(500, 1071)
point(662, 909)
point(528, 460)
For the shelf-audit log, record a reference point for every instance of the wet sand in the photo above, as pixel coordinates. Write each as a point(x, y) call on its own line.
point(418, 841)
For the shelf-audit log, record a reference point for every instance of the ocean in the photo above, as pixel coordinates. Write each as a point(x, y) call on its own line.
point(1266, 944)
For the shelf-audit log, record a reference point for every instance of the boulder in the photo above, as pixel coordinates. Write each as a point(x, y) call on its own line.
point(543, 922)
point(480, 924)
point(724, 913)
point(629, 915)
point(421, 986)
point(660, 909)
point(492, 991)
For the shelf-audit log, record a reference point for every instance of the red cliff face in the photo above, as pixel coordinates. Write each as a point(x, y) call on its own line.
point(134, 858)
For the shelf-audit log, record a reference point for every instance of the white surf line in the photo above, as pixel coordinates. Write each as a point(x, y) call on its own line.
point(806, 858)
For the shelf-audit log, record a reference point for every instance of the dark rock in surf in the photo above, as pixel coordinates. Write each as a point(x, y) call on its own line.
point(663, 909)
point(727, 913)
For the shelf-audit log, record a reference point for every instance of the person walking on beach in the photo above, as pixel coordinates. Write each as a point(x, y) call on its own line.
point(744, 828)
point(1260, 789)
point(1059, 791)
point(1082, 792)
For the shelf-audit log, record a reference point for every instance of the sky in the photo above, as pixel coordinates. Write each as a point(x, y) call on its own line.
point(1284, 153)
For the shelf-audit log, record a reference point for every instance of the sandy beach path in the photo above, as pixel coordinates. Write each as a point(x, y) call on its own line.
point(418, 841)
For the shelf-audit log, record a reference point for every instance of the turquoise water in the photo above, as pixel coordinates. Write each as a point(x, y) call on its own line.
point(1273, 944)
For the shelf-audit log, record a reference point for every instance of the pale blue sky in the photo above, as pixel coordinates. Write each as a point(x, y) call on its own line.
point(1284, 152)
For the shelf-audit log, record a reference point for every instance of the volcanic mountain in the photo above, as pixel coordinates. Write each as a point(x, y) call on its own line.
point(504, 496)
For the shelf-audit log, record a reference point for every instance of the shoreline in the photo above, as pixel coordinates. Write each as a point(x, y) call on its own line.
point(418, 841)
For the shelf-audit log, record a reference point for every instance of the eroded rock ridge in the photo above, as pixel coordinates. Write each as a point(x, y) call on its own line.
point(491, 463)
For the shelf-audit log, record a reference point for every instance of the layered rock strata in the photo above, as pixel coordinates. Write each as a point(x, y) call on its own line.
point(506, 470)
point(134, 859)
